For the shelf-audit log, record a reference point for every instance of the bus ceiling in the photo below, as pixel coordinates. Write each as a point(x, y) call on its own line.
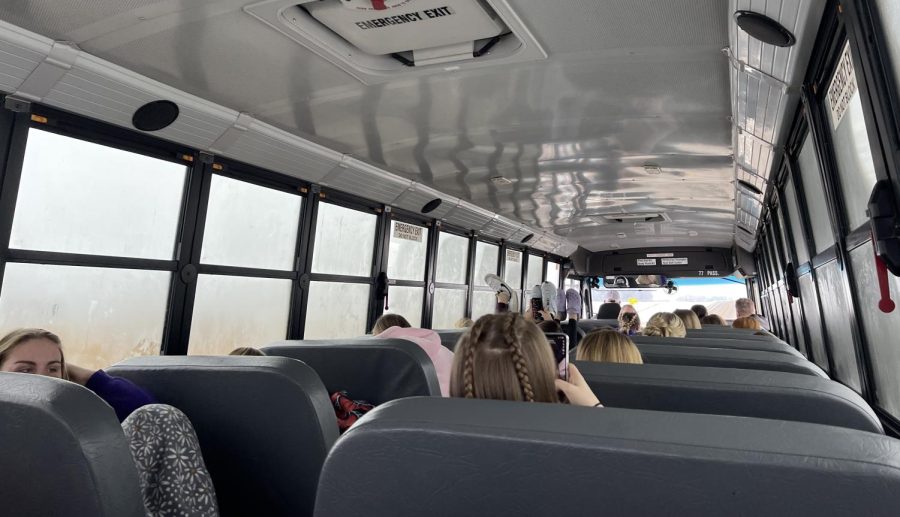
point(603, 126)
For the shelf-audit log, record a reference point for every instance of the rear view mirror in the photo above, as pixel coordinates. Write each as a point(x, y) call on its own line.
point(635, 282)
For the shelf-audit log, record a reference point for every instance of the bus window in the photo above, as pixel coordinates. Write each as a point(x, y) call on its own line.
point(552, 273)
point(103, 315)
point(336, 310)
point(535, 271)
point(80, 197)
point(881, 330)
point(407, 253)
point(449, 307)
point(486, 256)
point(814, 194)
point(236, 311)
point(799, 239)
point(834, 314)
point(813, 321)
point(450, 272)
point(717, 294)
point(852, 151)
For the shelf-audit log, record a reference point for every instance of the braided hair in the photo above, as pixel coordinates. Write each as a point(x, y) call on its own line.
point(504, 357)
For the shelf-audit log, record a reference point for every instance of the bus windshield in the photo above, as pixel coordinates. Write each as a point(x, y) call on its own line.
point(717, 294)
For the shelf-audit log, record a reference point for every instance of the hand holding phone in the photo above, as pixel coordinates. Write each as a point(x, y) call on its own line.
point(576, 389)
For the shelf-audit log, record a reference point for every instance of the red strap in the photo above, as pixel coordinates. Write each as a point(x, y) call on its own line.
point(378, 5)
point(886, 305)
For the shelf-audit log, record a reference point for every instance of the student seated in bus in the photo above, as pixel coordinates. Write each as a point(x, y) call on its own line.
point(247, 350)
point(700, 311)
point(629, 322)
point(744, 307)
point(747, 322)
point(665, 324)
point(713, 319)
point(550, 326)
point(395, 326)
point(608, 346)
point(163, 443)
point(506, 357)
point(611, 309)
point(40, 351)
point(689, 318)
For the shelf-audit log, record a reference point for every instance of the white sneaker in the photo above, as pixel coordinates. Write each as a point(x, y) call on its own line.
point(548, 296)
point(499, 286)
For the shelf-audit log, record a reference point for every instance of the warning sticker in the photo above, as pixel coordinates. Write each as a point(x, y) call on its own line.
point(646, 262)
point(513, 256)
point(660, 255)
point(409, 232)
point(679, 261)
point(842, 87)
point(400, 19)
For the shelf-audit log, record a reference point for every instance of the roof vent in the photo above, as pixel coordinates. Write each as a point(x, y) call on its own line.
point(764, 29)
point(377, 40)
point(649, 217)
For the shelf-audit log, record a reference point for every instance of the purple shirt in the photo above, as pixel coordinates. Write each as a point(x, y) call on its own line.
point(123, 395)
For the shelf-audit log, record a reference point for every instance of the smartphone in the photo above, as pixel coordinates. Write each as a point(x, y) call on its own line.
point(536, 307)
point(559, 343)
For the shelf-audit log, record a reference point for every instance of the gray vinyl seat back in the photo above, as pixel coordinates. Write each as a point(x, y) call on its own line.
point(728, 358)
point(265, 425)
point(63, 451)
point(371, 369)
point(749, 336)
point(449, 337)
point(727, 391)
point(736, 343)
point(450, 457)
point(591, 324)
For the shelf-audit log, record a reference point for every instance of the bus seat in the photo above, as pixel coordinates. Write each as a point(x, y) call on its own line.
point(726, 391)
point(447, 457)
point(449, 337)
point(590, 324)
point(732, 334)
point(265, 425)
point(737, 343)
point(728, 358)
point(63, 452)
point(374, 370)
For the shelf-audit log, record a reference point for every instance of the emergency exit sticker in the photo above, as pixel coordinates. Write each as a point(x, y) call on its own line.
point(646, 262)
point(409, 232)
point(513, 256)
point(400, 19)
point(842, 87)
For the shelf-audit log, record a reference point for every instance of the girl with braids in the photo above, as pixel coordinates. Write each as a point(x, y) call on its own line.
point(506, 357)
point(629, 323)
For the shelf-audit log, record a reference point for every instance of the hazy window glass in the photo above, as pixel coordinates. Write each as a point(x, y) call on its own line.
point(449, 307)
point(535, 271)
point(407, 302)
point(336, 310)
point(345, 241)
point(835, 313)
point(513, 273)
point(552, 272)
point(79, 197)
point(794, 218)
point(408, 248)
point(483, 302)
point(815, 196)
point(250, 226)
point(851, 140)
point(881, 329)
point(813, 321)
point(486, 256)
point(234, 311)
point(102, 315)
point(453, 253)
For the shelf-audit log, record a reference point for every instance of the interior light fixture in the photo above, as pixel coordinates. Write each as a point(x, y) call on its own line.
point(764, 29)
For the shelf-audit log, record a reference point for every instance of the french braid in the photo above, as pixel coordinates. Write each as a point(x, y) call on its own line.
point(469, 362)
point(512, 342)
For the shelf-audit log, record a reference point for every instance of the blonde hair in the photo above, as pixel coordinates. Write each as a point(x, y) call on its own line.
point(504, 357)
point(608, 346)
point(665, 324)
point(629, 322)
point(747, 322)
point(464, 323)
point(689, 318)
point(246, 350)
point(387, 321)
point(19, 336)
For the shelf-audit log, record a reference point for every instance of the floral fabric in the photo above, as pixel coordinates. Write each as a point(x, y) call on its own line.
point(173, 477)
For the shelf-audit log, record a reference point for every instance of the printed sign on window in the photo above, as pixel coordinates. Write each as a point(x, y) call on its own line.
point(842, 87)
point(409, 232)
point(513, 256)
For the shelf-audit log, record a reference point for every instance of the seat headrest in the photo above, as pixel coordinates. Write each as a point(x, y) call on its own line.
point(449, 337)
point(728, 391)
point(371, 369)
point(727, 358)
point(63, 451)
point(482, 457)
point(735, 342)
point(265, 424)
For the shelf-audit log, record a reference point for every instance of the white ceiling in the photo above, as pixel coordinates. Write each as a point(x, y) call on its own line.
point(626, 83)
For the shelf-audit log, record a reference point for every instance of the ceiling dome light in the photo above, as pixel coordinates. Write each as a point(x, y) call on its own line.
point(155, 115)
point(527, 238)
point(764, 29)
point(431, 206)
